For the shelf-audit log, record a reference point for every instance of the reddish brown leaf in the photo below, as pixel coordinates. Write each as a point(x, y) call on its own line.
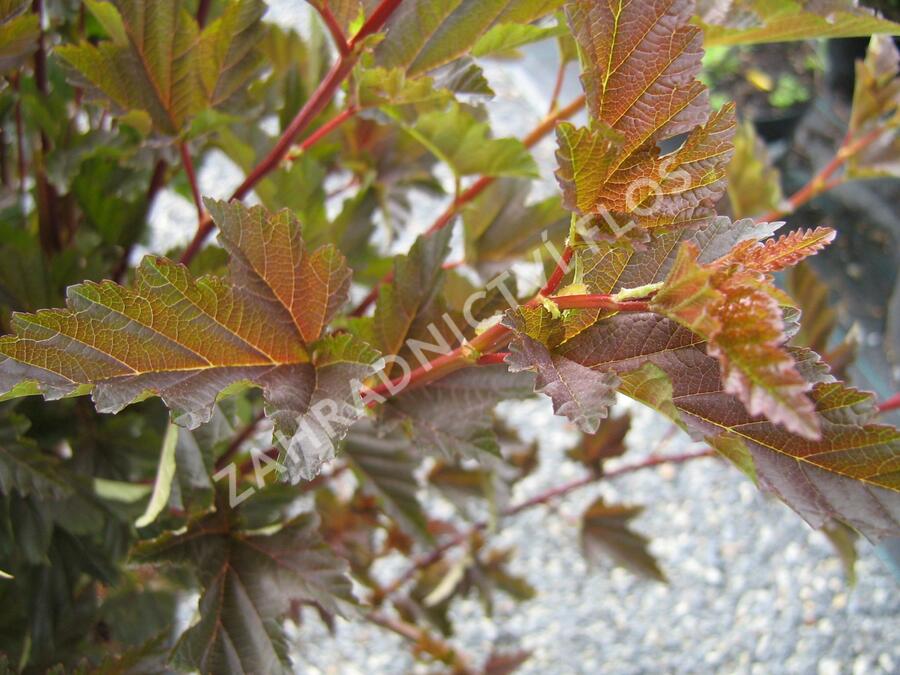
point(852, 472)
point(737, 313)
point(774, 255)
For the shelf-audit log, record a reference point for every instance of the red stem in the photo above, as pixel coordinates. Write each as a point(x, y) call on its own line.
point(450, 362)
point(337, 34)
point(893, 403)
point(557, 87)
point(823, 181)
point(493, 338)
point(549, 495)
point(491, 359)
point(371, 296)
point(203, 12)
point(188, 164)
point(561, 268)
point(157, 180)
point(320, 98)
point(598, 301)
point(323, 131)
point(20, 137)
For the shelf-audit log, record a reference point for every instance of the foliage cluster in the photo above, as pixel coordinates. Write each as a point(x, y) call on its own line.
point(274, 443)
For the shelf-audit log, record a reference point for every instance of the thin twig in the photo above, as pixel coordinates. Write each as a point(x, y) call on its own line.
point(893, 403)
point(188, 164)
point(20, 136)
point(824, 179)
point(322, 132)
point(337, 34)
point(316, 103)
point(600, 301)
point(562, 267)
point(424, 642)
point(557, 87)
point(157, 181)
point(239, 440)
point(491, 359)
point(425, 561)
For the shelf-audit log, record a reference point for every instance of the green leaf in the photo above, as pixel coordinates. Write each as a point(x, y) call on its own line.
point(386, 467)
point(249, 582)
point(843, 539)
point(120, 491)
point(741, 22)
point(191, 341)
point(18, 39)
point(505, 38)
point(425, 35)
point(160, 63)
point(754, 185)
point(25, 469)
point(605, 534)
point(381, 86)
point(165, 474)
point(229, 55)
point(464, 144)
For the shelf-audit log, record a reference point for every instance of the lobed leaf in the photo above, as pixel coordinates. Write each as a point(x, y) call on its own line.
point(190, 340)
point(640, 63)
point(610, 267)
point(417, 278)
point(386, 467)
point(249, 582)
point(25, 470)
point(463, 143)
point(738, 314)
point(849, 473)
point(157, 60)
point(504, 38)
point(607, 442)
point(582, 395)
point(452, 415)
point(501, 226)
point(774, 255)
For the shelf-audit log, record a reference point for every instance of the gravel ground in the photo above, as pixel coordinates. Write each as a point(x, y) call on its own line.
point(752, 589)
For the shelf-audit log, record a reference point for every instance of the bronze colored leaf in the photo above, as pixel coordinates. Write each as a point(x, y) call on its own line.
point(852, 472)
point(640, 62)
point(190, 340)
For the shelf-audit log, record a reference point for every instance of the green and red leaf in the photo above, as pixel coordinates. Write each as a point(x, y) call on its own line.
point(190, 340)
point(640, 64)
